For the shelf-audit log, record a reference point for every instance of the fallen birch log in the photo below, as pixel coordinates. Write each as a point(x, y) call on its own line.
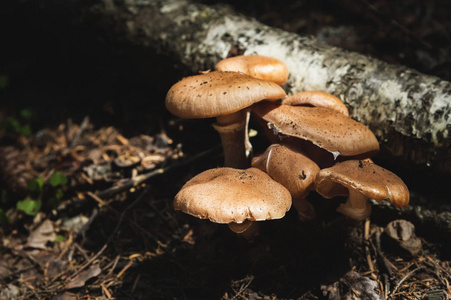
point(408, 111)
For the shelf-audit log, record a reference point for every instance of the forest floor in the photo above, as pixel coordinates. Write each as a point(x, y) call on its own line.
point(86, 202)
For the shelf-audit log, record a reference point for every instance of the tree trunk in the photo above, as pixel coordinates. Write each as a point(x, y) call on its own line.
point(408, 111)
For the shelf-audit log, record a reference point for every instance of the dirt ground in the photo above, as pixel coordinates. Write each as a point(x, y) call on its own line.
point(104, 168)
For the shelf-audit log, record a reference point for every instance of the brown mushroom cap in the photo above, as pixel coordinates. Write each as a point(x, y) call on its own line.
point(323, 127)
point(217, 93)
point(365, 177)
point(226, 195)
point(317, 99)
point(257, 66)
point(292, 169)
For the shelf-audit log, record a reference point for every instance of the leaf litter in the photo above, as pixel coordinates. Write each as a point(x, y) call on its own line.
point(114, 234)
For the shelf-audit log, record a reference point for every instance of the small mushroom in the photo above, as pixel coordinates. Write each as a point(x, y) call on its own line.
point(323, 127)
point(223, 95)
point(361, 180)
point(257, 66)
point(317, 99)
point(293, 170)
point(233, 196)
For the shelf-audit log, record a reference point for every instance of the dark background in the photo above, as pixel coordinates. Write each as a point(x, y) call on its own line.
point(62, 68)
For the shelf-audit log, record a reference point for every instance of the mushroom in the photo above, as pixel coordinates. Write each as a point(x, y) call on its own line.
point(233, 196)
point(223, 95)
point(361, 180)
point(323, 127)
point(293, 170)
point(317, 99)
point(257, 66)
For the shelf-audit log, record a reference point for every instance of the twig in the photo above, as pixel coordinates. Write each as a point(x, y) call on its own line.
point(83, 126)
point(135, 283)
point(382, 259)
point(122, 272)
point(110, 238)
point(96, 198)
point(433, 264)
point(366, 241)
point(17, 272)
point(83, 253)
point(381, 254)
point(36, 294)
point(89, 262)
point(404, 279)
point(244, 285)
point(121, 218)
point(113, 265)
point(157, 211)
point(85, 227)
point(132, 182)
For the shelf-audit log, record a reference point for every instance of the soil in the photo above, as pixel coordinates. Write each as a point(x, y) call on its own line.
point(96, 114)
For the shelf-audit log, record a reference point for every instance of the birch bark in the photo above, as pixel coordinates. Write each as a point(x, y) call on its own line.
point(408, 111)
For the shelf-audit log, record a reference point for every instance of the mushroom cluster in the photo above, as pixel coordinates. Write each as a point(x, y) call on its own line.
point(315, 146)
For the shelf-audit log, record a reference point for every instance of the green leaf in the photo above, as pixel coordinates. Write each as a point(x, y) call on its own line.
point(3, 218)
point(3, 197)
point(12, 124)
point(59, 238)
point(36, 185)
point(58, 179)
point(29, 206)
point(59, 194)
point(25, 130)
point(4, 81)
point(26, 113)
point(56, 199)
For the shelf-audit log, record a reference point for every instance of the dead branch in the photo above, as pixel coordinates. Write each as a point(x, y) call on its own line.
point(138, 180)
point(408, 111)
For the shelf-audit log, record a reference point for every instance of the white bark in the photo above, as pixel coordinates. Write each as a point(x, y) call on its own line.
point(408, 111)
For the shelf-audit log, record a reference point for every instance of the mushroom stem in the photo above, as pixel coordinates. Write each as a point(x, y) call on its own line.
point(357, 206)
point(232, 129)
point(247, 142)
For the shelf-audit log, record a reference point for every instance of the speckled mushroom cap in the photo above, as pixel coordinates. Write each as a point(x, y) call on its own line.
point(289, 167)
point(217, 93)
point(226, 195)
point(368, 178)
point(323, 127)
point(317, 99)
point(258, 66)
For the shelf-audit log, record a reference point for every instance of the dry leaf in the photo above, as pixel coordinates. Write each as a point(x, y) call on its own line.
point(9, 292)
point(352, 286)
point(42, 235)
point(188, 238)
point(402, 236)
point(65, 296)
point(84, 276)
